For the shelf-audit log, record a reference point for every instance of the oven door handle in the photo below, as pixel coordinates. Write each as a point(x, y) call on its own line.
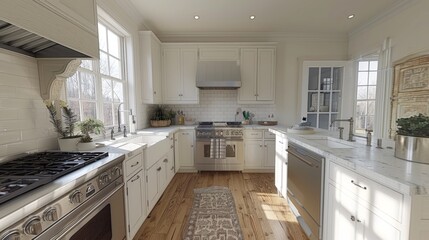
point(300, 158)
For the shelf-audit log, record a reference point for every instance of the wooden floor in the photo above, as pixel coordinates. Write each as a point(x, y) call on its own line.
point(262, 214)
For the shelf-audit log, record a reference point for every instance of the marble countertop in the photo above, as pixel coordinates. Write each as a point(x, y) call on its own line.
point(377, 164)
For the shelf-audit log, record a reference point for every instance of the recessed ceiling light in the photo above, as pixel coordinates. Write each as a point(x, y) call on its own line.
point(350, 16)
point(252, 17)
point(196, 17)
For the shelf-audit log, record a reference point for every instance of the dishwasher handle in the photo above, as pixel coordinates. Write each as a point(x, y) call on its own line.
point(309, 163)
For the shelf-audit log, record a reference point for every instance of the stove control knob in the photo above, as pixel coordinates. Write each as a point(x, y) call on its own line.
point(76, 197)
point(33, 226)
point(50, 215)
point(11, 235)
point(104, 178)
point(116, 171)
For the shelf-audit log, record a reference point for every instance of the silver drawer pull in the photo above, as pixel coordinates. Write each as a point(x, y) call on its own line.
point(133, 165)
point(137, 177)
point(357, 185)
point(166, 160)
point(254, 134)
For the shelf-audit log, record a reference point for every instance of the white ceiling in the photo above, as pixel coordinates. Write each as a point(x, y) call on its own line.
point(273, 16)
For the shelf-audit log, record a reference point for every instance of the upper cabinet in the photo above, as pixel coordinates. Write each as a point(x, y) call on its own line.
point(219, 54)
point(57, 20)
point(150, 60)
point(179, 75)
point(321, 91)
point(257, 75)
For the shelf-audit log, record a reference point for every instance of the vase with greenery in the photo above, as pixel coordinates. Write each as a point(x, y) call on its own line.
point(87, 127)
point(64, 123)
point(160, 116)
point(412, 139)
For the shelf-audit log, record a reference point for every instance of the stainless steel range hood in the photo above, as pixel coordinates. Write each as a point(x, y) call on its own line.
point(218, 75)
point(22, 41)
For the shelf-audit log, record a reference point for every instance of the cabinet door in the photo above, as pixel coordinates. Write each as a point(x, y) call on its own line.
point(156, 71)
point(162, 174)
point(172, 84)
point(266, 75)
point(341, 216)
point(185, 148)
point(136, 207)
point(281, 165)
point(189, 60)
point(152, 186)
point(372, 226)
point(253, 154)
point(270, 148)
point(248, 67)
point(170, 166)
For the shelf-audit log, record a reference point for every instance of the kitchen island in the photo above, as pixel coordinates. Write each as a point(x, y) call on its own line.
point(366, 191)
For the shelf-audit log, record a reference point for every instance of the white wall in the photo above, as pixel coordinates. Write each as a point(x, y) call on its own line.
point(407, 27)
point(292, 50)
point(24, 120)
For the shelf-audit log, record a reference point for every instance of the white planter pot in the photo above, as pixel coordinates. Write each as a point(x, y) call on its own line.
point(414, 149)
point(68, 144)
point(86, 146)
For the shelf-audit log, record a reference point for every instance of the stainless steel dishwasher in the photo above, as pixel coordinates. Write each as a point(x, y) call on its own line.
point(305, 188)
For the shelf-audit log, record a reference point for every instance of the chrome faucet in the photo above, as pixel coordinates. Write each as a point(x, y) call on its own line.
point(368, 137)
point(119, 117)
point(350, 120)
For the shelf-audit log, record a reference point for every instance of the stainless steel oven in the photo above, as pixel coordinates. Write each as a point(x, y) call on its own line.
point(219, 148)
point(102, 217)
point(305, 188)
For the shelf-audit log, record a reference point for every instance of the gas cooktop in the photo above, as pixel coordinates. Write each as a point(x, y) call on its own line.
point(26, 173)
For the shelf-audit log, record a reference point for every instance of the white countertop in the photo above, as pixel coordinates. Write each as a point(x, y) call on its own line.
point(378, 164)
point(31, 201)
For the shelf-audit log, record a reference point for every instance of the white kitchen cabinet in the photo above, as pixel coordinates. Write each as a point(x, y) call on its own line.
point(259, 150)
point(57, 20)
point(321, 91)
point(350, 220)
point(184, 142)
point(257, 76)
point(179, 75)
point(219, 54)
point(150, 68)
point(136, 209)
point(156, 181)
point(170, 166)
point(280, 172)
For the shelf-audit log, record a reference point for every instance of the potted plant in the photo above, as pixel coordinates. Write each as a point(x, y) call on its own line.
point(160, 117)
point(64, 124)
point(86, 127)
point(412, 139)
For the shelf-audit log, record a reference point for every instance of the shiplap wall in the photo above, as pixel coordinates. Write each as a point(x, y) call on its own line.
point(221, 105)
point(24, 120)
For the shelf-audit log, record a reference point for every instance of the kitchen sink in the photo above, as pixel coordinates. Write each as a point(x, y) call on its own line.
point(328, 141)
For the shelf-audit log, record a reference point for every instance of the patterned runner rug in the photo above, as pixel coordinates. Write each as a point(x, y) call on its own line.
point(213, 216)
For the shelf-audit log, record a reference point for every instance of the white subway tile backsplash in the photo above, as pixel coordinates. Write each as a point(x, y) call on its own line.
point(24, 122)
point(221, 105)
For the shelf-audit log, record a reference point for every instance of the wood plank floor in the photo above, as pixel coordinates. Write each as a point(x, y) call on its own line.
point(262, 214)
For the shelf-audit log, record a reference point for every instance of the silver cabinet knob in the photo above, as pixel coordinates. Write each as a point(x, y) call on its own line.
point(33, 226)
point(50, 214)
point(11, 235)
point(76, 197)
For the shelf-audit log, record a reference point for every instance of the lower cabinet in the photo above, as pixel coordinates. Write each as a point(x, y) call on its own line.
point(350, 220)
point(259, 150)
point(156, 179)
point(280, 172)
point(184, 142)
point(135, 202)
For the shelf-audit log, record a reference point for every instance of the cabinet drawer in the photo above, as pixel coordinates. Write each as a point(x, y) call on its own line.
point(253, 134)
point(269, 135)
point(133, 163)
point(383, 198)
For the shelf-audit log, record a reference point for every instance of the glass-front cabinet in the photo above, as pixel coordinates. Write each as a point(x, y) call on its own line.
point(321, 92)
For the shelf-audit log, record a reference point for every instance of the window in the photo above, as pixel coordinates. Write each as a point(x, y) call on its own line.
point(97, 88)
point(365, 95)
